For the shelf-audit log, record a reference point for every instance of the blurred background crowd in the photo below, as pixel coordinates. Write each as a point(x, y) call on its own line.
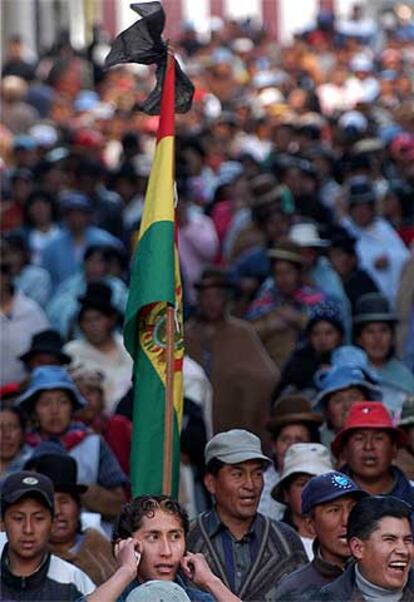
point(295, 180)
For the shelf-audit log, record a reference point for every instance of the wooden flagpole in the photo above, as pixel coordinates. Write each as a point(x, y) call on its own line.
point(170, 358)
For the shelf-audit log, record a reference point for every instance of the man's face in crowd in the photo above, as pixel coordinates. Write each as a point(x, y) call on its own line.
point(369, 452)
point(385, 557)
point(212, 303)
point(11, 435)
point(161, 540)
point(27, 524)
point(53, 411)
point(237, 489)
point(66, 518)
point(342, 262)
point(289, 434)
point(330, 521)
point(339, 404)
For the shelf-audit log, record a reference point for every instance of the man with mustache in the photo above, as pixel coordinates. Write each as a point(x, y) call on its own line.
point(248, 551)
point(381, 541)
point(367, 445)
point(327, 500)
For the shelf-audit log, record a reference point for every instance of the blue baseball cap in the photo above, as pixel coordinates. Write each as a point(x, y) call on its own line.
point(327, 487)
point(45, 378)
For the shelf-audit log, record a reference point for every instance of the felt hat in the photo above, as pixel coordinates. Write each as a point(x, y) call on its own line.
point(46, 378)
point(373, 307)
point(367, 415)
point(61, 469)
point(292, 409)
point(47, 341)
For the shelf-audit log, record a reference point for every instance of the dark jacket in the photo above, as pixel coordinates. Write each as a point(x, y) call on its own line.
point(279, 553)
point(402, 489)
point(54, 580)
point(344, 589)
point(315, 574)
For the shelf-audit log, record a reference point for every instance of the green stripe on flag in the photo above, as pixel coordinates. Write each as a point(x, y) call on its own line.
point(155, 252)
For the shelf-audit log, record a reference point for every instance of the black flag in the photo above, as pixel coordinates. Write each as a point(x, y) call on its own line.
point(142, 43)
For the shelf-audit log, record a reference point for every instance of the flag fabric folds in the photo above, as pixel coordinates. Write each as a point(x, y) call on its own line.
point(155, 284)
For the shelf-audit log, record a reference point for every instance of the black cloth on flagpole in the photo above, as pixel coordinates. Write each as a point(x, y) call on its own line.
point(142, 43)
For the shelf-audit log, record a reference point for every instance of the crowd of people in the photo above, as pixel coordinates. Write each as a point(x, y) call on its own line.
point(295, 186)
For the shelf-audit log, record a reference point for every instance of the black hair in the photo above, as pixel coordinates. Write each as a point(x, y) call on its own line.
point(17, 412)
point(358, 328)
point(366, 514)
point(131, 515)
point(213, 466)
point(40, 195)
point(102, 250)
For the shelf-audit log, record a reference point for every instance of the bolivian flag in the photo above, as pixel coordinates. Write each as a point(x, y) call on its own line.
point(155, 285)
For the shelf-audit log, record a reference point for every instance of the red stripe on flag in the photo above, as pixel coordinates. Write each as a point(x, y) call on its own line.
point(166, 124)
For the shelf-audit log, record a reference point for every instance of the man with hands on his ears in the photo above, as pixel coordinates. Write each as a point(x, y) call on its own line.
point(149, 543)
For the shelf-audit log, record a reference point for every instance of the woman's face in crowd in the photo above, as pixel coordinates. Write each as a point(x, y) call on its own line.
point(376, 339)
point(66, 519)
point(53, 411)
point(324, 336)
point(339, 404)
point(96, 326)
point(40, 212)
point(287, 277)
point(293, 492)
point(289, 434)
point(11, 435)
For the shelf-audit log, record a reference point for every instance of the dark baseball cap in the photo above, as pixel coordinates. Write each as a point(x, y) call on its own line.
point(26, 483)
point(328, 487)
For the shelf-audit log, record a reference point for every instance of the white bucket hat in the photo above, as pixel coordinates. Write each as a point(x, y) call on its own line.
point(309, 458)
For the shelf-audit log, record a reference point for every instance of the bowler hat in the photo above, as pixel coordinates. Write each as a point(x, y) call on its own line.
point(360, 190)
point(46, 378)
point(48, 341)
point(328, 487)
point(233, 447)
point(61, 469)
point(373, 307)
point(307, 458)
point(292, 409)
point(98, 296)
point(367, 415)
point(407, 412)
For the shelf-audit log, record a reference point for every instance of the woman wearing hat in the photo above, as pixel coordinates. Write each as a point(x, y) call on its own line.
point(346, 382)
point(302, 462)
point(63, 308)
point(292, 421)
point(51, 399)
point(374, 331)
point(102, 347)
point(324, 333)
point(279, 312)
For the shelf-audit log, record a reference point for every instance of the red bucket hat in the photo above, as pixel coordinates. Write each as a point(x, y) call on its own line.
point(367, 415)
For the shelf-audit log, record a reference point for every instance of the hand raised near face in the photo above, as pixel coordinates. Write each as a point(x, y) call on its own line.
point(128, 553)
